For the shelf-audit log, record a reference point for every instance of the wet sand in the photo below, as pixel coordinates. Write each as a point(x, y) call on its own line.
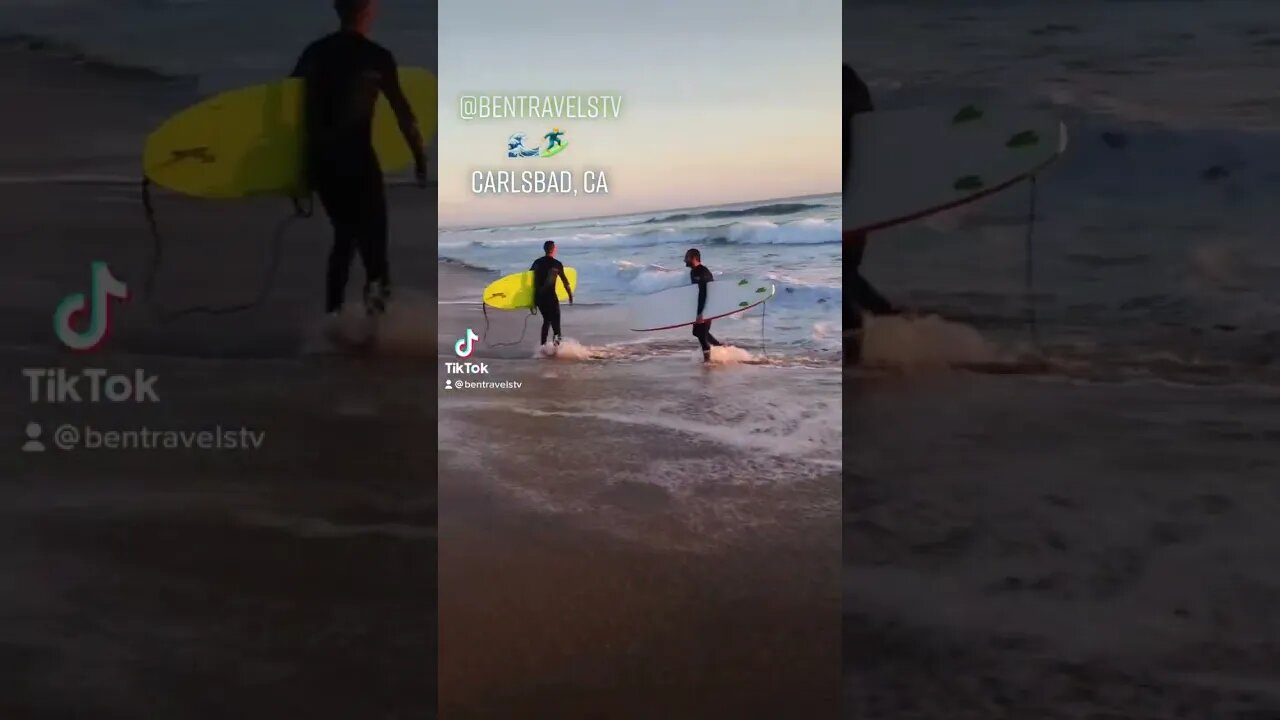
point(543, 620)
point(1003, 559)
point(633, 537)
point(296, 580)
point(300, 579)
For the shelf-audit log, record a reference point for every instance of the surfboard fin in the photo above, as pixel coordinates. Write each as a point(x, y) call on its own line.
point(968, 113)
point(1026, 138)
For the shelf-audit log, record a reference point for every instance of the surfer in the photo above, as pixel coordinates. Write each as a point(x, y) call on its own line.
point(857, 99)
point(545, 271)
point(344, 73)
point(700, 275)
point(553, 137)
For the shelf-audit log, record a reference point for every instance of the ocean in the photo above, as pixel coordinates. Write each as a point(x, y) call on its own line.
point(1153, 247)
point(708, 496)
point(133, 63)
point(1065, 487)
point(795, 242)
point(149, 575)
point(1061, 475)
point(222, 44)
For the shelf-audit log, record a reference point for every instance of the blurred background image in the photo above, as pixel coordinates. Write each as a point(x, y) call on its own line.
point(286, 568)
point(1064, 483)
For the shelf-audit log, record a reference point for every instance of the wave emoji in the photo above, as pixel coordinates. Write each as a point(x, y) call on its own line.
point(516, 148)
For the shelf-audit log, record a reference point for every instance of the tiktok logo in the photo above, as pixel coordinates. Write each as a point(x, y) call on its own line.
point(466, 344)
point(103, 287)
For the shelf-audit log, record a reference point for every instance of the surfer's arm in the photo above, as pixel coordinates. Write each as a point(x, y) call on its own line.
point(304, 69)
point(565, 279)
point(701, 277)
point(404, 115)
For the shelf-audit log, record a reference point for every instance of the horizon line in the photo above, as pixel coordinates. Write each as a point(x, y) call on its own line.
point(637, 212)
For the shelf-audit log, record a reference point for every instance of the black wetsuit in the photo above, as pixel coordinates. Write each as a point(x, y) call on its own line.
point(700, 276)
point(546, 272)
point(344, 73)
point(857, 99)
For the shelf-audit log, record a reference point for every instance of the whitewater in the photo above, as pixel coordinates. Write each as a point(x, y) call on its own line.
point(794, 242)
point(1068, 487)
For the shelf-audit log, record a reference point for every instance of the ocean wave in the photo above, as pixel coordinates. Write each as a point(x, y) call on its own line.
point(635, 278)
point(800, 295)
point(626, 279)
point(463, 264)
point(69, 179)
point(770, 209)
point(810, 231)
point(1189, 181)
point(583, 239)
point(102, 66)
point(1118, 159)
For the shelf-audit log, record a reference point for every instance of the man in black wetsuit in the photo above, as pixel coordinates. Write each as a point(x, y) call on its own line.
point(344, 72)
point(857, 99)
point(546, 270)
point(699, 275)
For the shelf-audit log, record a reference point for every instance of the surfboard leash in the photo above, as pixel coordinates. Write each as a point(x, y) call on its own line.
point(1030, 297)
point(523, 332)
point(764, 312)
point(157, 255)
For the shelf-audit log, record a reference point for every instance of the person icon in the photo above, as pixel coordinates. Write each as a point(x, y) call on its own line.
point(553, 138)
point(33, 443)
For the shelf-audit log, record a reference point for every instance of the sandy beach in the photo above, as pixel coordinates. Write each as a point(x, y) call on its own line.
point(1074, 518)
point(632, 533)
point(634, 537)
point(1015, 572)
point(296, 579)
point(300, 578)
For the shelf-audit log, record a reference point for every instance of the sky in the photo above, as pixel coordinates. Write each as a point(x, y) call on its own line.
point(723, 102)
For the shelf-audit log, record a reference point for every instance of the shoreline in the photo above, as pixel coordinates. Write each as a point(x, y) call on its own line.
point(616, 549)
point(281, 576)
point(302, 579)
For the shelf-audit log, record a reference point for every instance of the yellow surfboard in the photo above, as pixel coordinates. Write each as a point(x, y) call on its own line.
point(514, 292)
point(249, 141)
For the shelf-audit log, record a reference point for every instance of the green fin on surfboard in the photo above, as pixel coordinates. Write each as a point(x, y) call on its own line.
point(968, 113)
point(1026, 138)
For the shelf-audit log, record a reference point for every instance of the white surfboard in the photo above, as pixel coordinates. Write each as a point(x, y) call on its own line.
point(678, 307)
point(909, 164)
